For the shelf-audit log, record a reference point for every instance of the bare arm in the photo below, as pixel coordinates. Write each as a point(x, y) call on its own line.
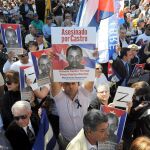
point(88, 86)
point(41, 93)
point(55, 88)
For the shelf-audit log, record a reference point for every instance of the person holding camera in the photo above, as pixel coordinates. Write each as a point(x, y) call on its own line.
point(58, 8)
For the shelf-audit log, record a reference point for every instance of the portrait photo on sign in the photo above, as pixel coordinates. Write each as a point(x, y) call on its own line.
point(24, 73)
point(73, 59)
point(116, 120)
point(42, 66)
point(137, 74)
point(11, 34)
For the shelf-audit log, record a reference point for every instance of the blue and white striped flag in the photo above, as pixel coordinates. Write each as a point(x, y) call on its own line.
point(102, 14)
point(45, 139)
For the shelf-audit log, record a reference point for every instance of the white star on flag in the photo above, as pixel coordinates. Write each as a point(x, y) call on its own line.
point(61, 55)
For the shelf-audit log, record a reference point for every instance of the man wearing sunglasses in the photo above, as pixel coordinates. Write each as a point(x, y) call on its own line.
point(23, 61)
point(22, 131)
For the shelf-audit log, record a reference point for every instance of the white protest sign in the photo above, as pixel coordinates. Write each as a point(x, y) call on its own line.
point(123, 96)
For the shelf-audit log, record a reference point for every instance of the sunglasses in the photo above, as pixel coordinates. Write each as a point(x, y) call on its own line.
point(24, 55)
point(39, 36)
point(17, 118)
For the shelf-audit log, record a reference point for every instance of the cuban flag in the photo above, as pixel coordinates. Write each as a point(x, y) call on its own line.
point(22, 77)
point(16, 28)
point(92, 12)
point(45, 139)
point(121, 115)
point(102, 14)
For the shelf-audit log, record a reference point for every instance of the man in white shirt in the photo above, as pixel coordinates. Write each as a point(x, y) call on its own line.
point(72, 102)
point(31, 36)
point(95, 130)
point(23, 61)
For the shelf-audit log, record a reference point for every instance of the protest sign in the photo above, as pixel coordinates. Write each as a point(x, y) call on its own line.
point(73, 48)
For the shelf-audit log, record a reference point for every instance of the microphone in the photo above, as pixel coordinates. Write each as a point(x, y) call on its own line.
point(78, 103)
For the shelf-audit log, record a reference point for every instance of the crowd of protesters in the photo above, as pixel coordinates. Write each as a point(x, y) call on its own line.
point(68, 103)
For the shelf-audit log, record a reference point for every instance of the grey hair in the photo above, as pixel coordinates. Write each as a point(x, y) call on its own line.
point(21, 105)
point(106, 86)
point(92, 119)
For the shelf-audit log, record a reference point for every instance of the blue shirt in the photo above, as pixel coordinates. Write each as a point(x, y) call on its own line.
point(47, 29)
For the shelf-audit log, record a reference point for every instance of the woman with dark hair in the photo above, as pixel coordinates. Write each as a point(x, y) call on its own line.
point(10, 97)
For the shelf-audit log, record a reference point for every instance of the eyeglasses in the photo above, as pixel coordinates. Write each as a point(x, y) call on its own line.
point(23, 55)
point(8, 82)
point(17, 118)
point(102, 92)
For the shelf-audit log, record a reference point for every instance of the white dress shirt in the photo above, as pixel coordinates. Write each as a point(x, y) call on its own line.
point(70, 115)
point(30, 127)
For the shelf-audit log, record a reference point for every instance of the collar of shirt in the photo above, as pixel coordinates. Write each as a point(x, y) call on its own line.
point(91, 147)
point(124, 62)
point(41, 46)
point(124, 42)
point(30, 127)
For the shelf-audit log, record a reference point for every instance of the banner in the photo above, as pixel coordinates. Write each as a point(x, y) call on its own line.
point(104, 15)
point(24, 73)
point(116, 120)
point(73, 48)
point(42, 66)
point(11, 34)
